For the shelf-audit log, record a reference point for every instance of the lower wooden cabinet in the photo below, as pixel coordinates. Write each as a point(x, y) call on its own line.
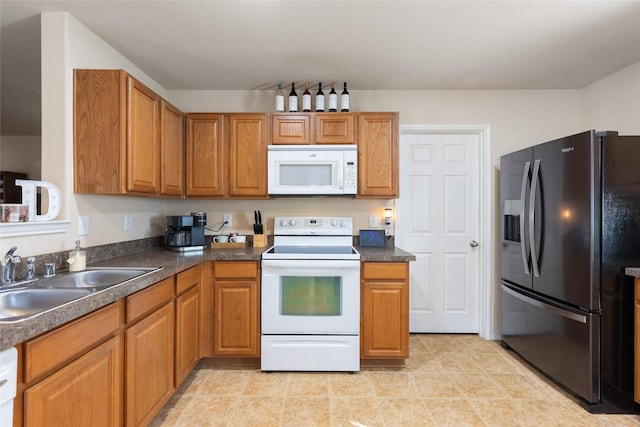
point(384, 299)
point(86, 392)
point(149, 338)
point(73, 374)
point(236, 302)
point(187, 322)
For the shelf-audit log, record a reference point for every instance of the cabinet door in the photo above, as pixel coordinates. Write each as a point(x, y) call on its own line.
point(206, 168)
point(384, 310)
point(248, 155)
point(143, 146)
point(378, 155)
point(334, 128)
point(99, 130)
point(385, 314)
point(290, 129)
point(86, 392)
point(236, 318)
point(149, 365)
point(171, 151)
point(187, 333)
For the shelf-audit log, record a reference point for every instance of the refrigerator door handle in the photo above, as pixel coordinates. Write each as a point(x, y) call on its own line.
point(532, 218)
point(523, 197)
point(557, 310)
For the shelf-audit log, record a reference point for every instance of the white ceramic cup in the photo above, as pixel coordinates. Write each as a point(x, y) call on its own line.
point(238, 239)
point(221, 239)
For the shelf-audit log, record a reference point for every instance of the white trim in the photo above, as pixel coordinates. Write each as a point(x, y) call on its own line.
point(15, 229)
point(486, 292)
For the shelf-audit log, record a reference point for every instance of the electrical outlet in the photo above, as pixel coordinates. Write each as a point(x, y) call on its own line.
point(127, 222)
point(374, 222)
point(83, 225)
point(228, 218)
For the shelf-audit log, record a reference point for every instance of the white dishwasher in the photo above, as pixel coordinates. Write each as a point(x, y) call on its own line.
point(8, 383)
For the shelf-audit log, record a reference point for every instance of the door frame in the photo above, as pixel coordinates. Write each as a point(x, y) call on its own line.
point(486, 290)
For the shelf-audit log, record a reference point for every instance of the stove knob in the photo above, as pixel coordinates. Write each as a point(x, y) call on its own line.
point(343, 223)
point(283, 223)
point(293, 222)
point(334, 222)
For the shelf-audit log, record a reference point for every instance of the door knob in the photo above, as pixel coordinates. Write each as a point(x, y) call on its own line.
point(473, 244)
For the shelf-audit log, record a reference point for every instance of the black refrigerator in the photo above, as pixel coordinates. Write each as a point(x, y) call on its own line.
point(570, 211)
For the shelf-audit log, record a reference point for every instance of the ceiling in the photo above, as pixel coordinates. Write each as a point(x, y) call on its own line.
point(373, 45)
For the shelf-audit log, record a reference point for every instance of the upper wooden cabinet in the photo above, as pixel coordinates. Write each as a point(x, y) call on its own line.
point(226, 155)
point(378, 159)
point(119, 134)
point(206, 169)
point(313, 128)
point(171, 150)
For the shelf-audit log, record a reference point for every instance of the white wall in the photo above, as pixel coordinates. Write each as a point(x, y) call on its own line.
point(613, 103)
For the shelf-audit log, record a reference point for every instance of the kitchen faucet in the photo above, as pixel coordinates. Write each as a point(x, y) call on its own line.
point(9, 266)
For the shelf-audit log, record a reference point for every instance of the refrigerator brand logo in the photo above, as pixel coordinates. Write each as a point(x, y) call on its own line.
point(568, 149)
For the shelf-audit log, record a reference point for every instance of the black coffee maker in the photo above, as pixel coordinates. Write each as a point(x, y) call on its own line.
point(185, 232)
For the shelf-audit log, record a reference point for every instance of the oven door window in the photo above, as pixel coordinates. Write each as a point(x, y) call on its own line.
point(310, 296)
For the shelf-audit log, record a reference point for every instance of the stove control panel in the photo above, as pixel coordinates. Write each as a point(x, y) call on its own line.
point(334, 225)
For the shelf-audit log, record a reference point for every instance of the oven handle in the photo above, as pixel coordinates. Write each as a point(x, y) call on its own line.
point(311, 263)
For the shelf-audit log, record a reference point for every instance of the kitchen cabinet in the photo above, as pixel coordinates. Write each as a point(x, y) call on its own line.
point(149, 350)
point(637, 342)
point(226, 155)
point(187, 322)
point(171, 150)
point(378, 161)
point(248, 155)
point(73, 374)
point(313, 128)
point(118, 127)
point(236, 302)
point(205, 165)
point(384, 298)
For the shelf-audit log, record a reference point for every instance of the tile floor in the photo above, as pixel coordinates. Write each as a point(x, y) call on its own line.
point(449, 380)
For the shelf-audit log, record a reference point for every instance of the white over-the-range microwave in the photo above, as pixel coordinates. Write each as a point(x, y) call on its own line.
point(312, 170)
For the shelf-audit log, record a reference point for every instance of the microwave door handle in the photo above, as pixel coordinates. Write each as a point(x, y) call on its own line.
point(523, 195)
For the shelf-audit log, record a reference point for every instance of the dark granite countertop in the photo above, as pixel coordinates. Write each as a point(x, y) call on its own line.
point(632, 271)
point(12, 333)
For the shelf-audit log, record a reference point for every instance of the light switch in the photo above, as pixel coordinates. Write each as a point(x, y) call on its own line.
point(374, 222)
point(83, 225)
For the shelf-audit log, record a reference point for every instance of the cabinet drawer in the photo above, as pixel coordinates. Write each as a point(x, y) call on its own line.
point(59, 346)
point(385, 270)
point(290, 129)
point(334, 129)
point(148, 299)
point(188, 278)
point(235, 269)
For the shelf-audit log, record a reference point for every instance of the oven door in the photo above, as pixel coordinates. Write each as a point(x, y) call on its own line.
point(310, 297)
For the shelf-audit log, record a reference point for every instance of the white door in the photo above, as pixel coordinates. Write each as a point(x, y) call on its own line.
point(438, 220)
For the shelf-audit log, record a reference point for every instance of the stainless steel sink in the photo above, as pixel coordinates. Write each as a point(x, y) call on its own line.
point(24, 303)
point(93, 278)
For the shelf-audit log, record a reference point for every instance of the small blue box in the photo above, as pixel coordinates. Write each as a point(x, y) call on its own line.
point(372, 238)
